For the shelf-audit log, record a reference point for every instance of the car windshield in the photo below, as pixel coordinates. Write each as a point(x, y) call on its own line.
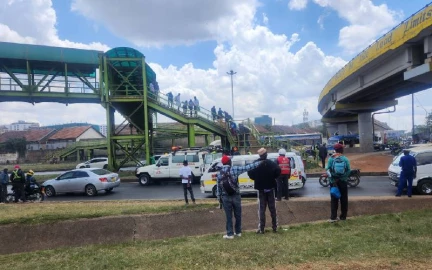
point(100, 171)
point(210, 157)
point(397, 158)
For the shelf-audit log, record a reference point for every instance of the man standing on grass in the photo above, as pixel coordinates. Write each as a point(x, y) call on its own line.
point(186, 176)
point(339, 167)
point(265, 183)
point(229, 193)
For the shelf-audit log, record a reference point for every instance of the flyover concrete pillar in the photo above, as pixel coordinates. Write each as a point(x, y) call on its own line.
point(331, 129)
point(342, 129)
point(365, 132)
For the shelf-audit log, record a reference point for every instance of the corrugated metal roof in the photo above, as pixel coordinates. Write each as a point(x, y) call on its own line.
point(69, 133)
point(48, 53)
point(31, 135)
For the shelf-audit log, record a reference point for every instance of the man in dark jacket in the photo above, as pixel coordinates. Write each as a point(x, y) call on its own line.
point(323, 154)
point(265, 182)
point(4, 179)
point(17, 178)
point(408, 165)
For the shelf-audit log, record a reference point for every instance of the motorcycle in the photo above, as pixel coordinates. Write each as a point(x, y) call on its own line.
point(33, 193)
point(353, 179)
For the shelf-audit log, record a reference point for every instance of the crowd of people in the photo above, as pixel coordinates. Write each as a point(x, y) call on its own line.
point(21, 183)
point(189, 107)
point(271, 182)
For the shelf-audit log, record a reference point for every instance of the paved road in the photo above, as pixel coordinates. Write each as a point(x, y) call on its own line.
point(369, 186)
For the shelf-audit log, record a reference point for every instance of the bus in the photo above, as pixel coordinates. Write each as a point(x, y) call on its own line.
point(293, 139)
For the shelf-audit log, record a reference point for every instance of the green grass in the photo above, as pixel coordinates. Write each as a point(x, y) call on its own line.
point(53, 212)
point(393, 241)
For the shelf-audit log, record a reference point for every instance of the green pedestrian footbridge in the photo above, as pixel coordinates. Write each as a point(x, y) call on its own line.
point(119, 80)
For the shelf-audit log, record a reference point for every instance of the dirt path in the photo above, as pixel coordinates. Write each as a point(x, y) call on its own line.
point(370, 162)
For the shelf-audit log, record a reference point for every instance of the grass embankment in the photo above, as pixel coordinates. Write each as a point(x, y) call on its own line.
point(53, 212)
point(42, 167)
point(393, 241)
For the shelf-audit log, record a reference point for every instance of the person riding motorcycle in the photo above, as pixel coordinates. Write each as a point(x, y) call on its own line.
point(31, 182)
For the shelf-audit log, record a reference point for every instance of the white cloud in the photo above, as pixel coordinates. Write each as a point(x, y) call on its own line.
point(297, 4)
point(367, 22)
point(162, 22)
point(34, 22)
point(265, 19)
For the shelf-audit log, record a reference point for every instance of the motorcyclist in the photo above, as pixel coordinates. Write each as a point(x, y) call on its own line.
point(30, 181)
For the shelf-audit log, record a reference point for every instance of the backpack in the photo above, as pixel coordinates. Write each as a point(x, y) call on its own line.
point(339, 167)
point(229, 183)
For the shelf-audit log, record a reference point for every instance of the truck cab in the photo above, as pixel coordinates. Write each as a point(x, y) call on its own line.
point(168, 167)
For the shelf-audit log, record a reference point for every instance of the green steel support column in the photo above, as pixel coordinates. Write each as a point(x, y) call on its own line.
point(78, 155)
point(172, 142)
point(104, 88)
point(206, 140)
point(191, 135)
point(29, 75)
point(146, 112)
point(110, 143)
point(88, 154)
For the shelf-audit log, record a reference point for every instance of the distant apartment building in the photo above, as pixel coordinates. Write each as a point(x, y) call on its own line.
point(103, 130)
point(264, 120)
point(22, 125)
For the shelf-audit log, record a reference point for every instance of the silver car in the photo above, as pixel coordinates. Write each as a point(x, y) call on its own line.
point(87, 180)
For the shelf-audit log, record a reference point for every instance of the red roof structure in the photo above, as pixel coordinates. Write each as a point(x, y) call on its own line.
point(69, 133)
point(31, 135)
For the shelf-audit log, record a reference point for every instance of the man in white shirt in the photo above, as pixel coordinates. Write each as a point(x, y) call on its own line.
point(186, 177)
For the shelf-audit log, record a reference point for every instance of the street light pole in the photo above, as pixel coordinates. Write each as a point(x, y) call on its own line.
point(232, 73)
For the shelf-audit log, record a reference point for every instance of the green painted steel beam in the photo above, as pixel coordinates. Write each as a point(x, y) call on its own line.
point(128, 137)
point(123, 59)
point(191, 135)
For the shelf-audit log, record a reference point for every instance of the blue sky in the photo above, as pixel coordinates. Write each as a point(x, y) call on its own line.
point(275, 45)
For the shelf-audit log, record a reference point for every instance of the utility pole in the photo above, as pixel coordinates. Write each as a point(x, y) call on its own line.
point(232, 73)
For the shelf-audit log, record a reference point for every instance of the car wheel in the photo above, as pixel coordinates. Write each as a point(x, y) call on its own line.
point(109, 190)
point(50, 191)
point(214, 191)
point(425, 187)
point(144, 179)
point(90, 190)
point(105, 166)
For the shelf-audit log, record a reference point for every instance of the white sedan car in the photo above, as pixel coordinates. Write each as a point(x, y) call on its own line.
point(88, 180)
point(101, 163)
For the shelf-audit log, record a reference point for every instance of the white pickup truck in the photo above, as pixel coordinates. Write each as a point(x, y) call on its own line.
point(168, 168)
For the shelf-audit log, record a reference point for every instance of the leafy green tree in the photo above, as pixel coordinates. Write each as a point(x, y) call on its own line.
point(16, 145)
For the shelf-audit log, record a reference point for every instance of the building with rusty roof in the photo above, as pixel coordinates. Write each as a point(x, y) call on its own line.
point(69, 135)
point(36, 138)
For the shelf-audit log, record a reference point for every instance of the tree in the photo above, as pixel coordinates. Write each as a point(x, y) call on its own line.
point(16, 145)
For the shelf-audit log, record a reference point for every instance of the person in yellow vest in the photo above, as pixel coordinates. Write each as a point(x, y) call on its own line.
point(17, 178)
